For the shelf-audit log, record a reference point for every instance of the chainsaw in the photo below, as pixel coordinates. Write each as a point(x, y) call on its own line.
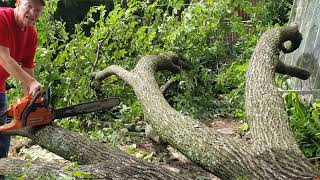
point(36, 111)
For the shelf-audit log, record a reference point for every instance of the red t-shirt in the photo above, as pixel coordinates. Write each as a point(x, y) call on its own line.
point(22, 44)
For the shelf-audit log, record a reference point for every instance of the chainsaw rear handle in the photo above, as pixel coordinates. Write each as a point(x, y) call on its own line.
point(14, 124)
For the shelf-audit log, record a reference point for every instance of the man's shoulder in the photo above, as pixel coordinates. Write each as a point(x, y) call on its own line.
point(6, 13)
point(6, 10)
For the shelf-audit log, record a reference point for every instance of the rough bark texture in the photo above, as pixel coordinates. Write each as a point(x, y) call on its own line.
point(292, 71)
point(45, 170)
point(266, 114)
point(101, 160)
point(272, 154)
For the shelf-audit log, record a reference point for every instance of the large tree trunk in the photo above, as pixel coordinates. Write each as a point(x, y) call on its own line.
point(100, 160)
point(272, 153)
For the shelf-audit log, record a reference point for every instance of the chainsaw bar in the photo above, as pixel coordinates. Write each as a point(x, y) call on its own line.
point(103, 104)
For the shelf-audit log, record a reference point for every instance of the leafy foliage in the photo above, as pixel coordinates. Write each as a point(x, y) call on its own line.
point(122, 36)
point(198, 30)
point(271, 12)
point(305, 123)
point(231, 83)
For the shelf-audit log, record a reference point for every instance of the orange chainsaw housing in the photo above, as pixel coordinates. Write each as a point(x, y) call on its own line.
point(40, 116)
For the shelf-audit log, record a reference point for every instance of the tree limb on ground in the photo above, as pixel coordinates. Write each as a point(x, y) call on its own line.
point(272, 154)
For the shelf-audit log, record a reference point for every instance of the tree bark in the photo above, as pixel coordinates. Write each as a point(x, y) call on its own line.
point(100, 160)
point(36, 170)
point(273, 154)
point(292, 71)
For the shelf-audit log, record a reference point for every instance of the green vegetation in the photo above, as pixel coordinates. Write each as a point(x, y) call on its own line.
point(123, 32)
point(196, 30)
point(305, 123)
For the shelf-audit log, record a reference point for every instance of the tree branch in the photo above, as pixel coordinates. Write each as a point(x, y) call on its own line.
point(217, 153)
point(290, 33)
point(38, 169)
point(266, 112)
point(223, 156)
point(32, 170)
point(99, 44)
point(166, 85)
point(292, 71)
point(114, 70)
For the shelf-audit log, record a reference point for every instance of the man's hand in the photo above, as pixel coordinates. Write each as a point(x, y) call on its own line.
point(34, 87)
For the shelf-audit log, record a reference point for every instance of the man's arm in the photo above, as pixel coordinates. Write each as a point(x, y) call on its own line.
point(14, 69)
point(30, 71)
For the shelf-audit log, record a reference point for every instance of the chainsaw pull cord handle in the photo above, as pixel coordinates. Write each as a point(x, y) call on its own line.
point(29, 108)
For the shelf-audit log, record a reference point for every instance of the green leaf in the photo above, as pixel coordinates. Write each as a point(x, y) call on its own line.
point(244, 127)
point(80, 174)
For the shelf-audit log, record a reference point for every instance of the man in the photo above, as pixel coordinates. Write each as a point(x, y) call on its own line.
point(18, 42)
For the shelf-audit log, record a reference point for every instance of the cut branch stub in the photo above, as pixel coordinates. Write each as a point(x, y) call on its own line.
point(292, 71)
point(290, 33)
point(168, 84)
point(175, 64)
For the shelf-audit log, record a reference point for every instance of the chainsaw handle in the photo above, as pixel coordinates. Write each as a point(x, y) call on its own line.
point(14, 124)
point(35, 97)
point(29, 108)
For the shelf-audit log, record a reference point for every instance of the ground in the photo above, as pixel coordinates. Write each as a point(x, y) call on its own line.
point(164, 155)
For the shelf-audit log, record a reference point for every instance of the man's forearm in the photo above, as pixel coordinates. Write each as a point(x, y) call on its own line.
point(13, 68)
point(30, 71)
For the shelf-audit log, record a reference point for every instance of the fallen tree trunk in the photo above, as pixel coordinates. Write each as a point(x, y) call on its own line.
point(272, 154)
point(99, 160)
point(102, 170)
